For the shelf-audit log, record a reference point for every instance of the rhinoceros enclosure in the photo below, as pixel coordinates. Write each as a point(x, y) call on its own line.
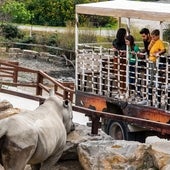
point(100, 90)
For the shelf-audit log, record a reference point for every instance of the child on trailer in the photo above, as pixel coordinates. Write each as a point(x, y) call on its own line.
point(156, 48)
point(133, 49)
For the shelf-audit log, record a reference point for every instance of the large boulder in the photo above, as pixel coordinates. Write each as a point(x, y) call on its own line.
point(108, 155)
point(7, 109)
point(100, 151)
point(160, 151)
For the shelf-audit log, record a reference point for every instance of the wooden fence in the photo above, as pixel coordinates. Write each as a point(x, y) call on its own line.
point(12, 75)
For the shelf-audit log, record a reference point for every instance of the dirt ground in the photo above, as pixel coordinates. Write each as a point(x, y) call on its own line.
point(57, 68)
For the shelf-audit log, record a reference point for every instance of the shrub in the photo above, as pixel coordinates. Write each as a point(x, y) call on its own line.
point(10, 31)
point(53, 40)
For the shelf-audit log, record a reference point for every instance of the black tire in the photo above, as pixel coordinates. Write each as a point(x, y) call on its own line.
point(118, 130)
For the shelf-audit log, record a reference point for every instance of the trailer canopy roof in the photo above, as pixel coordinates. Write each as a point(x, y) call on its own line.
point(128, 9)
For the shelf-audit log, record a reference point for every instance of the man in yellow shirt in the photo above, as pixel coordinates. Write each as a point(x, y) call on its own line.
point(156, 48)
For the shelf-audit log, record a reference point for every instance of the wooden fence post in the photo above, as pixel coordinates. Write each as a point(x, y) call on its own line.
point(15, 74)
point(39, 81)
point(95, 124)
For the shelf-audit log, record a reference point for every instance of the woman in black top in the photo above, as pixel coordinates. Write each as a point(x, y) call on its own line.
point(119, 42)
point(119, 57)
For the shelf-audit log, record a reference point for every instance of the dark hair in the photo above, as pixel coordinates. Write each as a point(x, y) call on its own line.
point(155, 32)
point(121, 33)
point(119, 41)
point(131, 39)
point(144, 31)
point(120, 36)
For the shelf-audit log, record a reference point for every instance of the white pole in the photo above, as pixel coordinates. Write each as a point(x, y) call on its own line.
point(127, 60)
point(76, 51)
point(161, 30)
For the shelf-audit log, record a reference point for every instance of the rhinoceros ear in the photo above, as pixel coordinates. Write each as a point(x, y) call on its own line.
point(65, 103)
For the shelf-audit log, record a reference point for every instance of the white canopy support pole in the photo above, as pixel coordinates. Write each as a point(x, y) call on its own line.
point(76, 51)
point(127, 60)
point(76, 32)
point(161, 30)
point(128, 26)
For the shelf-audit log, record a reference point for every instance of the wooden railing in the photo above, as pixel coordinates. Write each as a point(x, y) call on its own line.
point(13, 75)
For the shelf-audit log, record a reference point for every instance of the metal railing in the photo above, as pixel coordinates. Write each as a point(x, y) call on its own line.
point(110, 75)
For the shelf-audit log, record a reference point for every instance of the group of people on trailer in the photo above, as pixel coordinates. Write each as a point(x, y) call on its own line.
point(153, 47)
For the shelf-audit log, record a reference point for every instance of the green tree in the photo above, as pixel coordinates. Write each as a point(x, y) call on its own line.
point(17, 11)
point(55, 12)
point(49, 12)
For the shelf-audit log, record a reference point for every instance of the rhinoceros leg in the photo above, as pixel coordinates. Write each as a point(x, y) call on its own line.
point(15, 157)
point(52, 160)
point(36, 167)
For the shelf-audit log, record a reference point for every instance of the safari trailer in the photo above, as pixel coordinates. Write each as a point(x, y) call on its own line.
point(102, 77)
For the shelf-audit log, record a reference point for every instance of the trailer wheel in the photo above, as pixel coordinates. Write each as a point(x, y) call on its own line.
point(118, 130)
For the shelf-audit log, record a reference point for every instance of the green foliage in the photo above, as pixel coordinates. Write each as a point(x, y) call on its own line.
point(50, 12)
point(28, 40)
point(17, 11)
point(98, 21)
point(10, 31)
point(43, 38)
point(53, 40)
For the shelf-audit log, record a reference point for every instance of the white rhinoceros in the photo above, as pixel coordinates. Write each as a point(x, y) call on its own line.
point(36, 137)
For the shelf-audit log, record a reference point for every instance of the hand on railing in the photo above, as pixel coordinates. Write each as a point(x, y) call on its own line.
point(157, 55)
point(141, 55)
point(122, 52)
